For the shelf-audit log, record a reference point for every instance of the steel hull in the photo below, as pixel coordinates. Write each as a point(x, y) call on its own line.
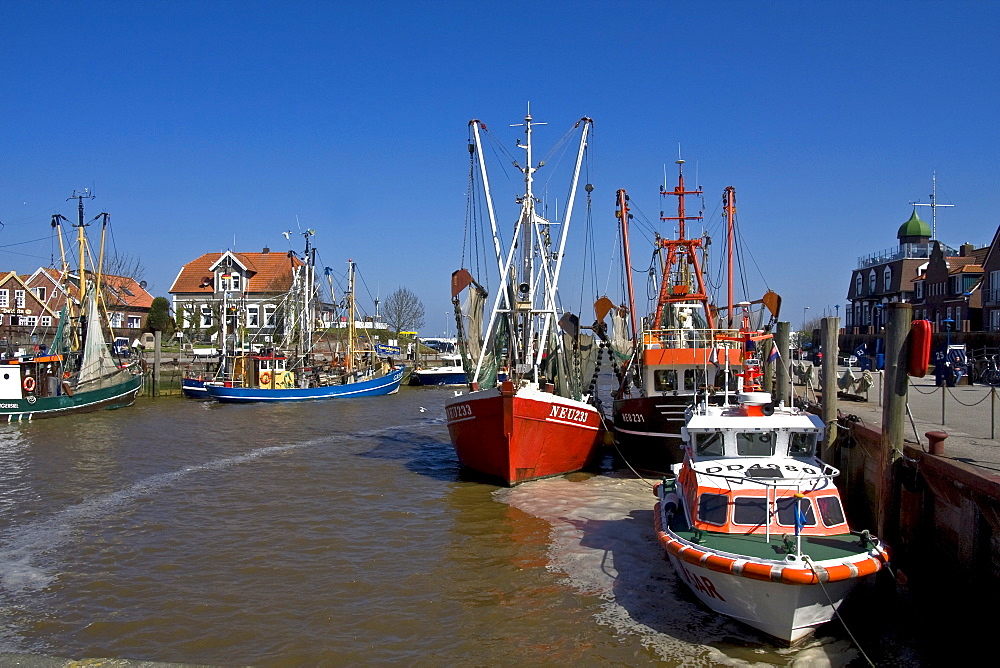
point(516, 437)
point(648, 430)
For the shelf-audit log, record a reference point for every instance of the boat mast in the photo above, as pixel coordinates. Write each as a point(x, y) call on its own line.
point(623, 215)
point(350, 316)
point(81, 237)
point(682, 253)
point(729, 204)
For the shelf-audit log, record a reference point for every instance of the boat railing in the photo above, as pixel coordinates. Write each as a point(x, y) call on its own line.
point(679, 337)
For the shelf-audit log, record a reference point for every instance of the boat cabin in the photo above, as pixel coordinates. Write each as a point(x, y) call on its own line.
point(759, 474)
point(267, 370)
point(27, 377)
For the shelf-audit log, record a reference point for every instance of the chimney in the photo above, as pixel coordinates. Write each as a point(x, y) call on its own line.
point(266, 250)
point(965, 250)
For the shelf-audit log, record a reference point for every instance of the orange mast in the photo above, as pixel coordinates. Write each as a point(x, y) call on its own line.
point(681, 258)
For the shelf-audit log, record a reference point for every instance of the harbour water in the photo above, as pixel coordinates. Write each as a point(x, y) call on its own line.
point(344, 532)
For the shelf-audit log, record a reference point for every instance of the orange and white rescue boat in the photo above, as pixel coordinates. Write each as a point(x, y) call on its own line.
point(753, 523)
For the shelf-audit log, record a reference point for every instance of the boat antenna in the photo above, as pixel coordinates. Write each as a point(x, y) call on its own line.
point(933, 205)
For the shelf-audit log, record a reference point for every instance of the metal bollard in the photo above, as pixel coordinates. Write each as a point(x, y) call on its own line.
point(935, 442)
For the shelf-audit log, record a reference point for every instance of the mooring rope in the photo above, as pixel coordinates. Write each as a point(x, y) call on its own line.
point(808, 560)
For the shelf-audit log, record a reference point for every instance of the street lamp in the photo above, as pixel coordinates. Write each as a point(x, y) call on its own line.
point(804, 309)
point(948, 324)
point(446, 324)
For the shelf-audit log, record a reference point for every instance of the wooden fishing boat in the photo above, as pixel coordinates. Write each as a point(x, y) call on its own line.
point(753, 523)
point(526, 414)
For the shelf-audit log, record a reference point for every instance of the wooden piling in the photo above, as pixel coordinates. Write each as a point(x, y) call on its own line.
point(829, 329)
point(783, 372)
point(894, 401)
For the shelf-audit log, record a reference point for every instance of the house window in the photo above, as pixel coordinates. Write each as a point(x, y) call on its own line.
point(39, 292)
point(117, 318)
point(269, 316)
point(29, 320)
point(994, 288)
point(871, 281)
point(46, 321)
point(19, 298)
point(253, 316)
point(206, 315)
point(918, 289)
point(4, 299)
point(858, 284)
point(134, 321)
point(230, 282)
point(995, 320)
point(887, 279)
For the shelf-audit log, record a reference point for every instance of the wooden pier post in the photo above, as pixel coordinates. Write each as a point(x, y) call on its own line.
point(829, 329)
point(894, 405)
point(784, 370)
point(157, 349)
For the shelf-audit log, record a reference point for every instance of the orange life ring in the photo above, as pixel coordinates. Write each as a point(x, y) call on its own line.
point(29, 384)
point(265, 378)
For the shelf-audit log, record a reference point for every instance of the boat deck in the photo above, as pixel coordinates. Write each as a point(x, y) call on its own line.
point(819, 548)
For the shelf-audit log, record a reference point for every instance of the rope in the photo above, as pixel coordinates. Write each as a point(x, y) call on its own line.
point(985, 397)
point(808, 560)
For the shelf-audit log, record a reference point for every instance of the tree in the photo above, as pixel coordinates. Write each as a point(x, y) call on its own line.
point(403, 311)
point(159, 317)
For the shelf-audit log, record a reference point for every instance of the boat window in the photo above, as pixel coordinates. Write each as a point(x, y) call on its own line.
point(786, 512)
point(664, 380)
point(801, 444)
point(755, 443)
point(830, 510)
point(710, 443)
point(712, 508)
point(750, 510)
point(693, 379)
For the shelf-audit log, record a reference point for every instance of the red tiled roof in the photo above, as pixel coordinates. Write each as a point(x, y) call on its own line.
point(267, 273)
point(122, 291)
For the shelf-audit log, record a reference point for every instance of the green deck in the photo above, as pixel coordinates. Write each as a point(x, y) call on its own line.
point(819, 548)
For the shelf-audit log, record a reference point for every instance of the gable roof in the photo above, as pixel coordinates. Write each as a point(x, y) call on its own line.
point(266, 273)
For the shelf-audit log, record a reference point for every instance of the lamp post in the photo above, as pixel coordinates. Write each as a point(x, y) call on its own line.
point(446, 324)
point(804, 309)
point(948, 324)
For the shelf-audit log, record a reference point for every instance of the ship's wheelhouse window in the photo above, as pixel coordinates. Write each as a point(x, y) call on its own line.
point(712, 508)
point(664, 380)
point(709, 444)
point(750, 510)
point(755, 443)
point(830, 510)
point(693, 379)
point(801, 444)
point(786, 512)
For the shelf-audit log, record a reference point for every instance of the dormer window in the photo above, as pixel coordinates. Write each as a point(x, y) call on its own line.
point(872, 281)
point(887, 279)
point(229, 281)
point(858, 284)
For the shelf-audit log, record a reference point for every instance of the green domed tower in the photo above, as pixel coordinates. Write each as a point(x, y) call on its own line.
point(914, 230)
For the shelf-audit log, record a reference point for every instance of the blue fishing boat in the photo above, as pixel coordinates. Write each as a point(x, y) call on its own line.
point(270, 375)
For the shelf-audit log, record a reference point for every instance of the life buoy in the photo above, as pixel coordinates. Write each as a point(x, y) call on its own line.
point(920, 348)
point(265, 378)
point(29, 384)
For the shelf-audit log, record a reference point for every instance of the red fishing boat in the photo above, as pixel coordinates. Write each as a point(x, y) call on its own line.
point(526, 413)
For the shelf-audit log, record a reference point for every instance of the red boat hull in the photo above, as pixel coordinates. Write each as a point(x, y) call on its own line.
point(520, 436)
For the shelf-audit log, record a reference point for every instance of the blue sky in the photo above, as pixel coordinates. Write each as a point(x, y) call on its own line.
point(201, 123)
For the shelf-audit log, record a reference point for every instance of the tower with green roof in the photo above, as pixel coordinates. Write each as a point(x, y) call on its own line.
point(914, 230)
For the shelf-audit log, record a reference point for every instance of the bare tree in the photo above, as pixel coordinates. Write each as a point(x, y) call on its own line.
point(403, 311)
